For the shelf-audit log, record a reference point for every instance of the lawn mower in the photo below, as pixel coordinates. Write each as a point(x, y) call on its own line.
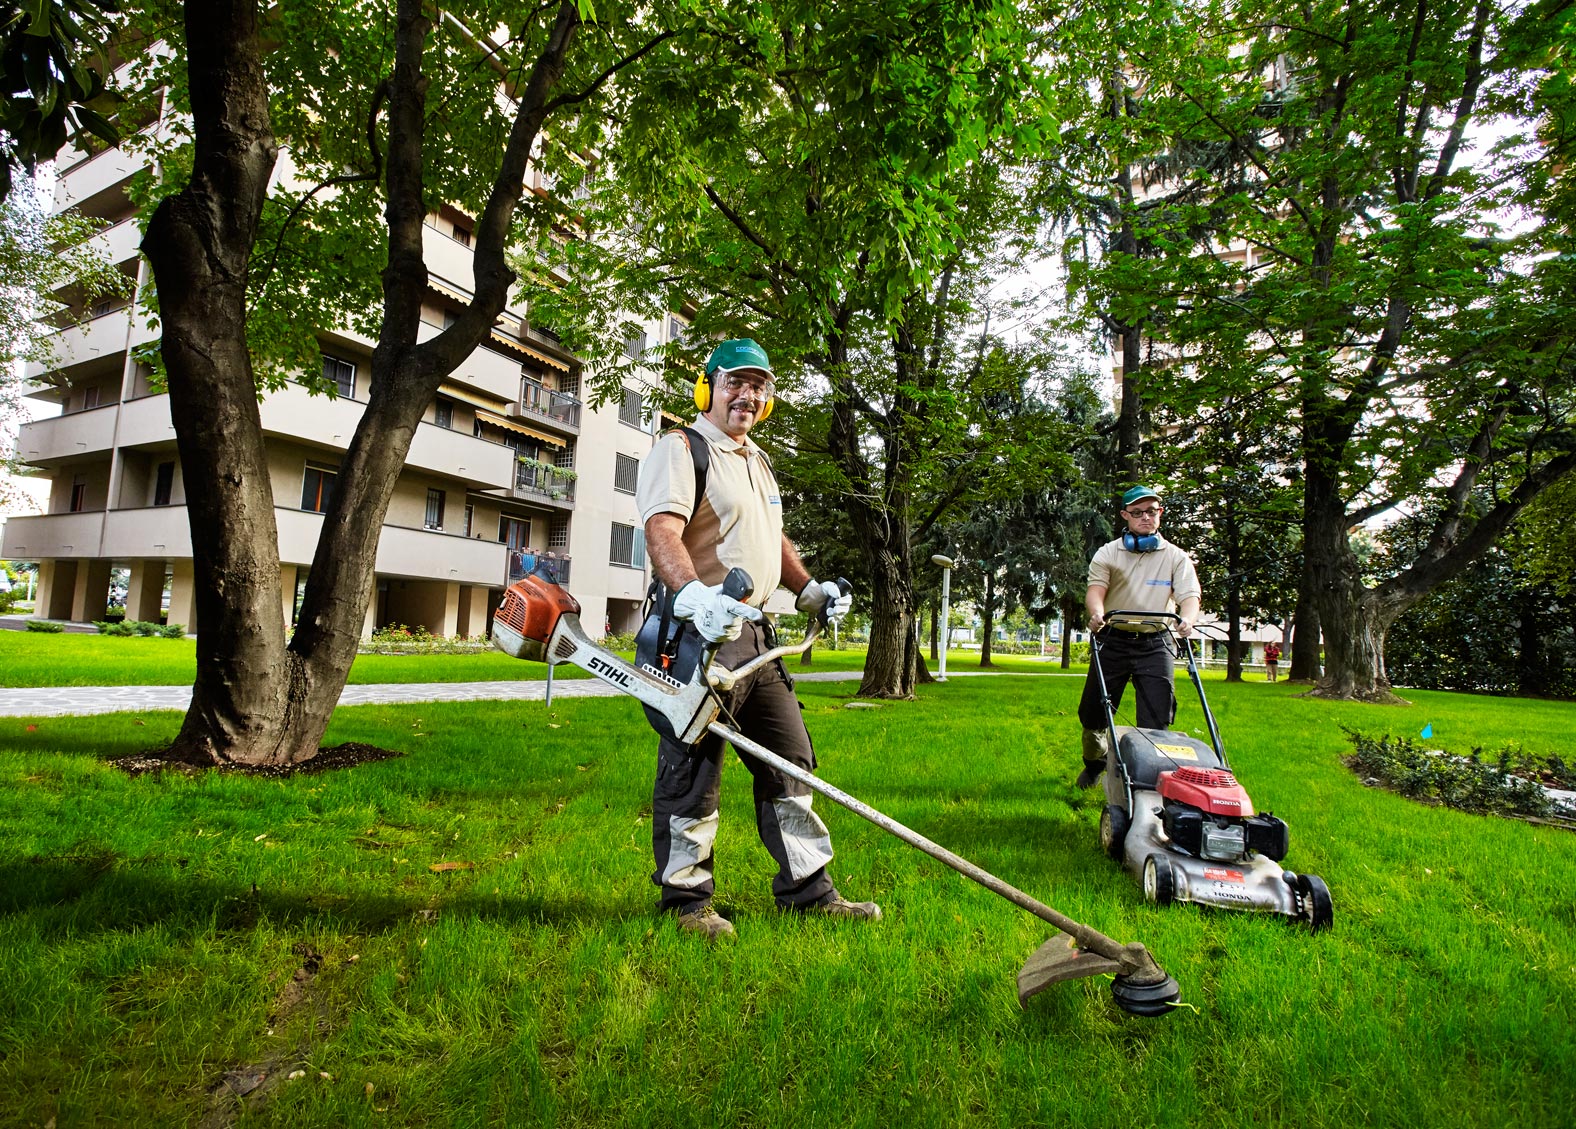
point(1176, 817)
point(540, 621)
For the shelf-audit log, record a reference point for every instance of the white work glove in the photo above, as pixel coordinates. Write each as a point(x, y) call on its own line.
point(717, 617)
point(823, 594)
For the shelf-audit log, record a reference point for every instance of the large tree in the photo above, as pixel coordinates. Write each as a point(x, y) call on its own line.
point(825, 178)
point(244, 276)
point(1419, 350)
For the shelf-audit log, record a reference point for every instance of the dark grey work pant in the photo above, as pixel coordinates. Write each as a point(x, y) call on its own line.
point(689, 783)
point(1143, 660)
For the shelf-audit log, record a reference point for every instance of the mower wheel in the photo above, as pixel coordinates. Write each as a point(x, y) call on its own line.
point(1313, 896)
point(1160, 881)
point(1113, 830)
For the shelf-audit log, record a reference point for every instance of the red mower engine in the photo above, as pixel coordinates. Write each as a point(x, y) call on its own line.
point(1208, 814)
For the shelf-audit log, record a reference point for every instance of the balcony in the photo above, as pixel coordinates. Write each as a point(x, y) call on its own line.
point(50, 536)
point(539, 483)
point(430, 555)
point(89, 176)
point(151, 532)
point(58, 439)
point(119, 243)
point(293, 413)
point(95, 339)
point(550, 566)
point(537, 401)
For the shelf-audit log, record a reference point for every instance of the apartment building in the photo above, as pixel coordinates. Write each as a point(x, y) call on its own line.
point(509, 470)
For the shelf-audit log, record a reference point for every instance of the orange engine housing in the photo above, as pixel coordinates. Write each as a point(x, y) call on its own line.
point(532, 607)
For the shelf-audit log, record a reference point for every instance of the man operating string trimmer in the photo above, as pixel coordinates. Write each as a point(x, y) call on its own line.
point(710, 504)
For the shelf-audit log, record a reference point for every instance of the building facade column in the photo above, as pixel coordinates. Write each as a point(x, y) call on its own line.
point(145, 590)
point(90, 597)
point(287, 590)
point(183, 603)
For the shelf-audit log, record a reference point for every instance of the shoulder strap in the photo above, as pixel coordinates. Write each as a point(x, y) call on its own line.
point(700, 453)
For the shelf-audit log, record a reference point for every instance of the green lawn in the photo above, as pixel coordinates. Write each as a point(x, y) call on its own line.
point(156, 932)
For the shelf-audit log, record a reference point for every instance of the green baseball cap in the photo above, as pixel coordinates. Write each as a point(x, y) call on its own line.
point(738, 353)
point(1138, 494)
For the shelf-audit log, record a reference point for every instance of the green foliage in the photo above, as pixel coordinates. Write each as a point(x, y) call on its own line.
point(45, 626)
point(1508, 785)
point(52, 78)
point(398, 639)
point(145, 628)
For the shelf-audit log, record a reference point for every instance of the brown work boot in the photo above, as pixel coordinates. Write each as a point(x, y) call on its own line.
point(840, 906)
point(707, 922)
point(1091, 773)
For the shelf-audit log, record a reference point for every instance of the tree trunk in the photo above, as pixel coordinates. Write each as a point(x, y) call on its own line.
point(892, 661)
point(1305, 635)
point(935, 622)
point(1069, 609)
point(254, 700)
point(988, 618)
point(1233, 595)
point(248, 690)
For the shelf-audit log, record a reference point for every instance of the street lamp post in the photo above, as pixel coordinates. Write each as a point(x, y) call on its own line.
point(946, 625)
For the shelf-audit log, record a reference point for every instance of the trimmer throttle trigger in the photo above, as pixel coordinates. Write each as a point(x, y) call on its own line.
point(738, 584)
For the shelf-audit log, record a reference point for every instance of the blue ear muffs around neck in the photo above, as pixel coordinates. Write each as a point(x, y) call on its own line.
point(1133, 543)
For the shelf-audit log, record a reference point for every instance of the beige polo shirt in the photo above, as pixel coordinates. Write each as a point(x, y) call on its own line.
point(739, 523)
point(1144, 582)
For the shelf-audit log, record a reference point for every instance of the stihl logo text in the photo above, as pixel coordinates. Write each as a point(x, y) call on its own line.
point(604, 669)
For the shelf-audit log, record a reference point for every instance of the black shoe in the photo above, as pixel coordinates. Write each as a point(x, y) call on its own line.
point(1090, 774)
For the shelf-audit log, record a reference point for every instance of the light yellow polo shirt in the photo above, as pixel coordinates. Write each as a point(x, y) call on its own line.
point(739, 523)
point(1144, 582)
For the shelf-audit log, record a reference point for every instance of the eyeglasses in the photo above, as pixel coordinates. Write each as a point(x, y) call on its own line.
point(1152, 511)
point(761, 389)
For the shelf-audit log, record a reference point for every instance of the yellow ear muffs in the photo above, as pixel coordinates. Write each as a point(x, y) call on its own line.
point(702, 396)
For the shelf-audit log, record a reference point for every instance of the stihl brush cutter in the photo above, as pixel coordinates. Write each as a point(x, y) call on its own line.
point(539, 621)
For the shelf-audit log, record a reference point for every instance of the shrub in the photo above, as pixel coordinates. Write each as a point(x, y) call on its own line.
point(143, 627)
point(171, 630)
point(1507, 785)
point(7, 599)
point(114, 615)
point(616, 641)
point(45, 625)
point(115, 627)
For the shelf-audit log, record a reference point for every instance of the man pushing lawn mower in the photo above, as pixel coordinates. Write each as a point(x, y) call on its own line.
point(711, 504)
point(1139, 571)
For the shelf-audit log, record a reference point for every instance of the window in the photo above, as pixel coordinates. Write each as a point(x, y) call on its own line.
point(635, 345)
point(622, 550)
point(626, 471)
point(443, 413)
point(631, 410)
point(514, 533)
point(434, 518)
point(163, 483)
point(79, 494)
point(676, 330)
point(342, 374)
point(564, 458)
point(90, 397)
point(558, 534)
point(462, 235)
point(317, 487)
point(470, 518)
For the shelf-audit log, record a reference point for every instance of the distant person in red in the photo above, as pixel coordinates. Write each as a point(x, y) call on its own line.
point(1272, 653)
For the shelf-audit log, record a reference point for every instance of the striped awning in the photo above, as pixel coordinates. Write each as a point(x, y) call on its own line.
point(472, 397)
point(448, 291)
point(509, 425)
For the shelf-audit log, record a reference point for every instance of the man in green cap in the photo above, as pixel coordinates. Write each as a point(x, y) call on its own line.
point(1138, 572)
point(736, 521)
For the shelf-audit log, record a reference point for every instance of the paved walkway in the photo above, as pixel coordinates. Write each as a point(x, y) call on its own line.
point(61, 701)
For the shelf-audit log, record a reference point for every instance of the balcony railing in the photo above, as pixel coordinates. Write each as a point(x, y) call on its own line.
point(540, 400)
point(544, 481)
point(550, 566)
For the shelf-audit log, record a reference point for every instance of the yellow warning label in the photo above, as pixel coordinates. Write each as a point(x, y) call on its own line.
point(1183, 751)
